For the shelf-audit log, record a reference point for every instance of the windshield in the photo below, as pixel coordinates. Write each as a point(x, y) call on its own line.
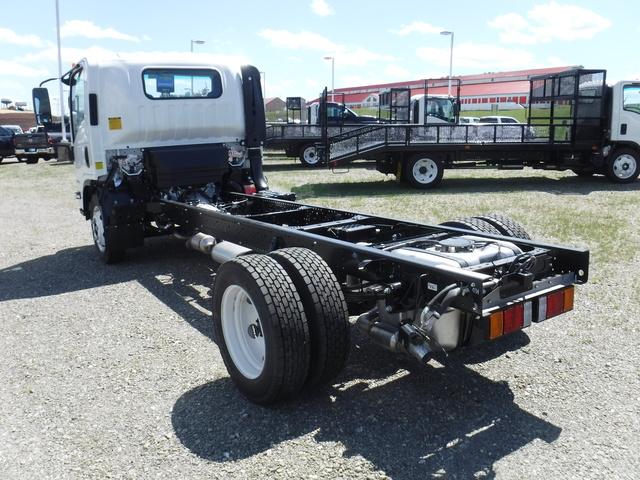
point(441, 108)
point(13, 128)
point(631, 98)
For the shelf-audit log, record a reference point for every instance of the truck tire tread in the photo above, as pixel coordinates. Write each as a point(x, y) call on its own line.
point(283, 318)
point(472, 223)
point(326, 310)
point(506, 225)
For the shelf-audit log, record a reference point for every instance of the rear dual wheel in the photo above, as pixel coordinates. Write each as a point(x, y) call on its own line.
point(493, 223)
point(281, 323)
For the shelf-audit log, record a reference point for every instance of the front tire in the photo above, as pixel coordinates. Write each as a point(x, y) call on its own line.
point(261, 329)
point(424, 171)
point(31, 160)
point(623, 165)
point(325, 308)
point(309, 156)
point(107, 252)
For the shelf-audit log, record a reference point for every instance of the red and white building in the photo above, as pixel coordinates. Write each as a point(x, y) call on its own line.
point(477, 92)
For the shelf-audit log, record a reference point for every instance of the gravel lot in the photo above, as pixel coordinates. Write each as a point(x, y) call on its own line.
point(110, 372)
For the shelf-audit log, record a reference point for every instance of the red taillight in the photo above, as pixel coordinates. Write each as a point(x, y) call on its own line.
point(518, 316)
point(514, 318)
point(249, 189)
point(50, 141)
point(555, 304)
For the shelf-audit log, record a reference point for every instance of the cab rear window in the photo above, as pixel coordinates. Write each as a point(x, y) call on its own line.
point(171, 84)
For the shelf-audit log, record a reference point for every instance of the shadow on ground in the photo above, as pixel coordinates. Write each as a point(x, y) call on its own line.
point(464, 185)
point(423, 421)
point(164, 267)
point(411, 421)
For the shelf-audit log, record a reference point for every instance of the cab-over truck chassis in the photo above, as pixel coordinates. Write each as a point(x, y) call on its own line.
point(292, 274)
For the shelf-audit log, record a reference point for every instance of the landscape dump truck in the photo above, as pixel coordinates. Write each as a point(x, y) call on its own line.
point(175, 149)
point(576, 122)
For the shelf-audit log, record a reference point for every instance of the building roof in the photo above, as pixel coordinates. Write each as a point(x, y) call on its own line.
point(268, 100)
point(490, 83)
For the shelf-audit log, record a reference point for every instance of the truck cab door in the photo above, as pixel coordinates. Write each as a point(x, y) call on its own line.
point(625, 112)
point(78, 106)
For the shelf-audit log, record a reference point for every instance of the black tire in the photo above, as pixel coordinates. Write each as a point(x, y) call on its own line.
point(423, 171)
point(623, 165)
point(505, 225)
point(584, 172)
point(21, 159)
point(107, 251)
point(1, 159)
point(282, 325)
point(472, 223)
point(32, 160)
point(308, 156)
point(325, 308)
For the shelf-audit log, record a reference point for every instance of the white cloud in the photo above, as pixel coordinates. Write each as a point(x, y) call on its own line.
point(548, 22)
point(417, 27)
point(482, 57)
point(396, 71)
point(10, 69)
point(321, 7)
point(9, 36)
point(88, 29)
point(100, 54)
point(303, 40)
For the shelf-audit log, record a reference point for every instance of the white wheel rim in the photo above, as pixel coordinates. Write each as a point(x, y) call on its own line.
point(425, 170)
point(624, 166)
point(97, 228)
point(242, 331)
point(310, 155)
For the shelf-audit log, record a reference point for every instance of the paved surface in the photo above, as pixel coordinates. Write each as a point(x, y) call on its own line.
point(110, 372)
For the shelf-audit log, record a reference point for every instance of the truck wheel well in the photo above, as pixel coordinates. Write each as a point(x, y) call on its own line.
point(87, 195)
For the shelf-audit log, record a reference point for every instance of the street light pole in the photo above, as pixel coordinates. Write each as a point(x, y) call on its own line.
point(450, 57)
point(197, 42)
point(333, 77)
point(63, 126)
point(263, 75)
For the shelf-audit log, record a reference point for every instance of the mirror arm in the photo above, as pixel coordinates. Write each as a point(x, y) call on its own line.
point(47, 80)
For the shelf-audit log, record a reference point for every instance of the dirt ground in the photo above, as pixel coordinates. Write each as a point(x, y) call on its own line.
point(111, 372)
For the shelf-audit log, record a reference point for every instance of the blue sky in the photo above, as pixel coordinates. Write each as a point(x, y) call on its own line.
point(372, 41)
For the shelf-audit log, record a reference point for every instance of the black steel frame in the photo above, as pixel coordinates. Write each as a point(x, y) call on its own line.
point(265, 224)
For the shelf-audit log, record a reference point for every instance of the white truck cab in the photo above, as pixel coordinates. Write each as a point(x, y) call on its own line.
point(432, 109)
point(143, 131)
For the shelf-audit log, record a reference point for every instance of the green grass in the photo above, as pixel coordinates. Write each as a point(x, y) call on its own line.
point(555, 207)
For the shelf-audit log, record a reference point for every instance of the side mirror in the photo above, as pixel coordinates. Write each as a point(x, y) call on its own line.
point(64, 152)
point(41, 106)
point(456, 108)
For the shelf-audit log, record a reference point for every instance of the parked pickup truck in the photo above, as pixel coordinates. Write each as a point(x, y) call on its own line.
point(30, 147)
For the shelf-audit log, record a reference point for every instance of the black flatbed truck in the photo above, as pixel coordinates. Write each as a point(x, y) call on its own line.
point(292, 274)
